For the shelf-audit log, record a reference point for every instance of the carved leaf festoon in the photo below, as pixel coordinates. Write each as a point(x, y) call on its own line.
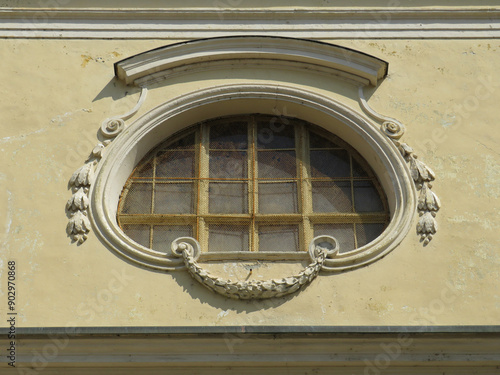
point(80, 182)
point(321, 248)
point(422, 175)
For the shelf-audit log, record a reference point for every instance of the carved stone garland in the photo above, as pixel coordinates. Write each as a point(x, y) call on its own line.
point(77, 207)
point(422, 175)
point(321, 248)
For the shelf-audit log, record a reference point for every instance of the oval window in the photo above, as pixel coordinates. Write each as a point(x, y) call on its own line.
point(253, 183)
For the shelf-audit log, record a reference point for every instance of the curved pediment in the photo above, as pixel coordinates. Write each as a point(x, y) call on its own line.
point(225, 52)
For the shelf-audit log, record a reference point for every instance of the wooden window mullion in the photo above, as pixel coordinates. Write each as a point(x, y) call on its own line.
point(253, 188)
point(303, 155)
point(352, 199)
point(203, 185)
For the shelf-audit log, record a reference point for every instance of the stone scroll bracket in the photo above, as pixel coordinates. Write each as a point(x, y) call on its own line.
point(80, 182)
point(320, 248)
point(113, 126)
point(428, 202)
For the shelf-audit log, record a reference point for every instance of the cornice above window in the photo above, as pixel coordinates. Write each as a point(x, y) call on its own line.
point(225, 52)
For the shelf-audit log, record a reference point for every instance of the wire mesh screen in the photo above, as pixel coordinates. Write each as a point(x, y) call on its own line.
point(253, 183)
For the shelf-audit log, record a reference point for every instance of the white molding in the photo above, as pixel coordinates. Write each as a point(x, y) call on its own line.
point(175, 24)
point(161, 63)
point(130, 146)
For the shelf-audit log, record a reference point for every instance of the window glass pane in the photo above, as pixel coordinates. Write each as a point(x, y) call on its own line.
point(331, 196)
point(138, 199)
point(174, 198)
point(138, 233)
point(174, 164)
point(278, 238)
point(343, 233)
point(366, 197)
point(163, 235)
point(228, 164)
point(330, 163)
point(317, 141)
point(277, 132)
point(228, 198)
point(357, 169)
point(228, 238)
point(232, 135)
point(278, 198)
point(368, 232)
point(144, 171)
point(277, 164)
point(185, 143)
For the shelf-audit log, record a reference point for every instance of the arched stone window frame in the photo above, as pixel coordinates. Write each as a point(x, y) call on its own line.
point(392, 161)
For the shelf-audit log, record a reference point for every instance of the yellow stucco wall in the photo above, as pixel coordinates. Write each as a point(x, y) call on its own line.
point(56, 93)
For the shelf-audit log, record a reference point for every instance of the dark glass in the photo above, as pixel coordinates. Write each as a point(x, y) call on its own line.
point(330, 163)
point(228, 198)
point(278, 238)
point(228, 238)
point(275, 133)
point(331, 196)
point(138, 233)
point(278, 198)
point(175, 164)
point(228, 164)
point(368, 232)
point(138, 199)
point(366, 197)
point(277, 164)
point(185, 143)
point(317, 141)
point(229, 136)
point(174, 198)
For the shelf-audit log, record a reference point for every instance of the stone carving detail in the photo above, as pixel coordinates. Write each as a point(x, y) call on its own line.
point(428, 201)
point(77, 207)
point(80, 182)
point(320, 249)
point(422, 175)
point(393, 130)
point(112, 127)
point(78, 226)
